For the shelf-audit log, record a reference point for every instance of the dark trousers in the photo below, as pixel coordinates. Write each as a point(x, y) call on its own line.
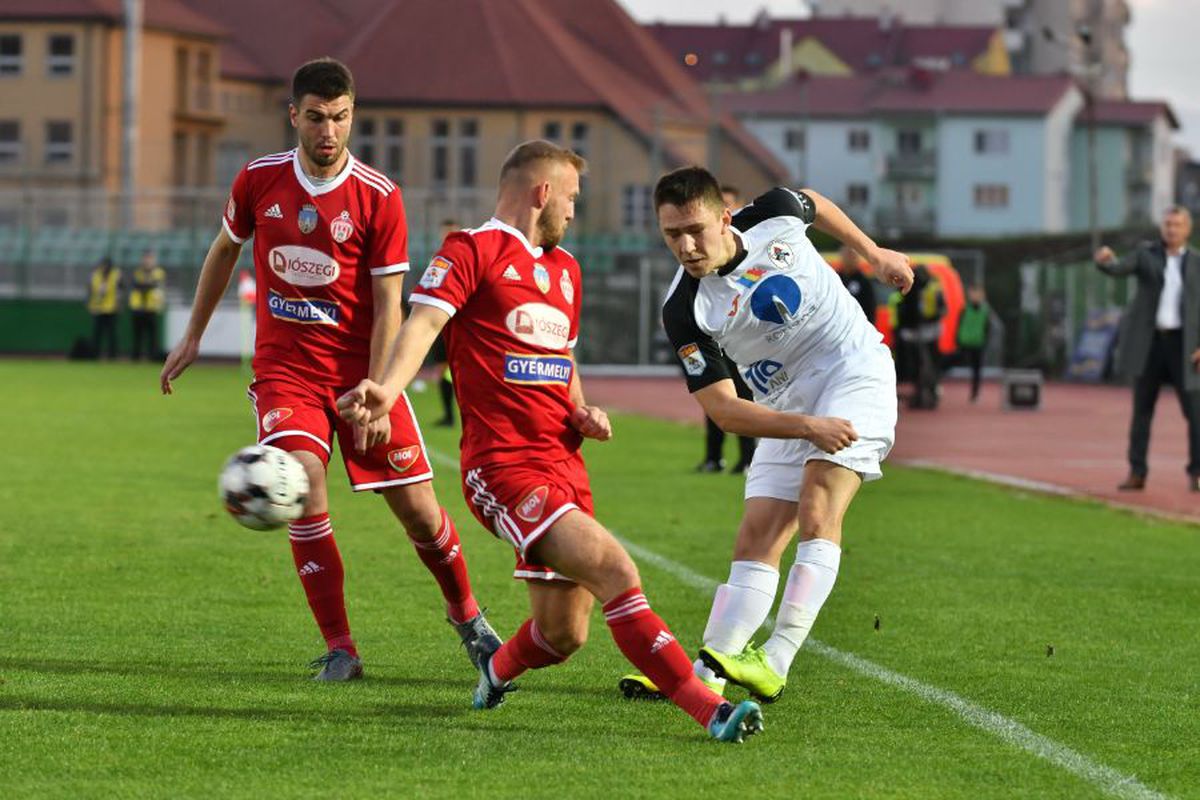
point(145, 334)
point(1164, 365)
point(922, 359)
point(974, 357)
point(104, 330)
point(714, 437)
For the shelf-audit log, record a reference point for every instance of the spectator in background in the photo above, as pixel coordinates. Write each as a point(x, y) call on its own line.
point(858, 284)
point(972, 335)
point(1160, 337)
point(714, 437)
point(103, 301)
point(146, 305)
point(441, 363)
point(921, 313)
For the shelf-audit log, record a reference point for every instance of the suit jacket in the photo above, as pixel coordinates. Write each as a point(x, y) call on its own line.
point(1148, 263)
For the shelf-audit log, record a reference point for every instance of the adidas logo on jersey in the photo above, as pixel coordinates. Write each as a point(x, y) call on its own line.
point(662, 640)
point(274, 212)
point(311, 568)
point(511, 273)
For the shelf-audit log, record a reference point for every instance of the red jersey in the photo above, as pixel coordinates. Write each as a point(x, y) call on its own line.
point(514, 312)
point(315, 250)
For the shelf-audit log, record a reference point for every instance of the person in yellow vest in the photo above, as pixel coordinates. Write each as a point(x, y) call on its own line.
point(146, 305)
point(103, 301)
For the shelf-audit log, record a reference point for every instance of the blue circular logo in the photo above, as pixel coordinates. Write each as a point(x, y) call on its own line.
point(776, 299)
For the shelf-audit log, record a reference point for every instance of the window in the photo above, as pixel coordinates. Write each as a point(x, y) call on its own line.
point(203, 81)
point(636, 211)
point(991, 141)
point(393, 148)
point(60, 144)
point(579, 138)
point(10, 54)
point(440, 153)
point(552, 131)
point(181, 78)
point(10, 141)
point(60, 54)
point(366, 138)
point(908, 142)
point(991, 195)
point(858, 194)
point(793, 139)
point(468, 152)
point(179, 146)
point(858, 140)
point(203, 160)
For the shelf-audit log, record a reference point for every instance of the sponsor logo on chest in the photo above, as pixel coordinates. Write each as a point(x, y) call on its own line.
point(540, 325)
point(303, 309)
point(303, 266)
point(525, 368)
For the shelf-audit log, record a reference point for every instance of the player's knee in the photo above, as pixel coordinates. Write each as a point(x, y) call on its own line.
point(623, 574)
point(816, 522)
point(567, 636)
point(421, 517)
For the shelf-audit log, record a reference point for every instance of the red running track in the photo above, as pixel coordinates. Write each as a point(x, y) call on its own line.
point(1074, 444)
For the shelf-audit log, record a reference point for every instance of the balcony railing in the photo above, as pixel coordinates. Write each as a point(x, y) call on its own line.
point(905, 220)
point(905, 166)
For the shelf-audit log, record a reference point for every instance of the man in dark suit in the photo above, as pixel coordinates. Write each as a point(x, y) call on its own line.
point(1160, 336)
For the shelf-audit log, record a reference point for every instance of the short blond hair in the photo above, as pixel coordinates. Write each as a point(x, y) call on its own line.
point(537, 150)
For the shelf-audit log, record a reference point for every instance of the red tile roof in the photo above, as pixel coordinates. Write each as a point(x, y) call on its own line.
point(171, 15)
point(731, 52)
point(915, 90)
point(1131, 112)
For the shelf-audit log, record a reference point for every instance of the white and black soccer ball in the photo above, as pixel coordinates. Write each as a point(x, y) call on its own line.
point(263, 487)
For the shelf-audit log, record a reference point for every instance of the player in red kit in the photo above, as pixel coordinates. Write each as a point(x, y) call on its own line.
point(508, 298)
point(330, 250)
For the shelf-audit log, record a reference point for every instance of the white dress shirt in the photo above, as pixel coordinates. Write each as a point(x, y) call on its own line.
point(1170, 305)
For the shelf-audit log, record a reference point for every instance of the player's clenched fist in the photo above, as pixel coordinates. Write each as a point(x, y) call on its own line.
point(831, 434)
point(592, 423)
point(366, 402)
point(893, 268)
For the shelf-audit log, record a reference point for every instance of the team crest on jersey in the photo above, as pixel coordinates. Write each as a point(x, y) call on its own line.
point(307, 218)
point(403, 459)
point(567, 287)
point(780, 253)
point(435, 274)
point(272, 418)
point(693, 360)
point(534, 505)
point(541, 277)
point(341, 228)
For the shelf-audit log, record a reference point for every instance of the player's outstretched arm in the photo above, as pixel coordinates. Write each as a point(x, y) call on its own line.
point(214, 278)
point(734, 415)
point(371, 400)
point(891, 267)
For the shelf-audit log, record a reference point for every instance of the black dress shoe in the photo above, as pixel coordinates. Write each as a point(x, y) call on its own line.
point(711, 466)
point(1133, 483)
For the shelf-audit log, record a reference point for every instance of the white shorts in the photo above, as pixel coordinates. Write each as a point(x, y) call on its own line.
point(860, 388)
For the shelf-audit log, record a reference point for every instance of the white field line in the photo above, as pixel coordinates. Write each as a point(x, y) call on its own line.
point(1107, 779)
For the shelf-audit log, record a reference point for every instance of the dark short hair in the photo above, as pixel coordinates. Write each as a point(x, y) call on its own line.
point(536, 150)
point(327, 78)
point(687, 185)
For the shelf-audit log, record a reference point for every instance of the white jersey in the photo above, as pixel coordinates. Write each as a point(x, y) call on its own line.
point(777, 309)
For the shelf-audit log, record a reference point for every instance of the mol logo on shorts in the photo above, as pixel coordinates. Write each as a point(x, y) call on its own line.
point(303, 309)
point(534, 505)
point(533, 369)
point(401, 460)
point(303, 266)
point(272, 418)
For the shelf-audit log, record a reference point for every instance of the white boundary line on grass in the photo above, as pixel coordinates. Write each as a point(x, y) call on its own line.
point(1107, 779)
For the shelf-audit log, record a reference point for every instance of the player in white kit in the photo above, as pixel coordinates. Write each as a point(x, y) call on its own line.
point(751, 284)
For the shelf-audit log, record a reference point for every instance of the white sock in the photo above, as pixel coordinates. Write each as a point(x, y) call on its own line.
point(808, 586)
point(739, 608)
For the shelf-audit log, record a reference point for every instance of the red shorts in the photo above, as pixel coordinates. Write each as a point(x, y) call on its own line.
point(519, 502)
point(295, 415)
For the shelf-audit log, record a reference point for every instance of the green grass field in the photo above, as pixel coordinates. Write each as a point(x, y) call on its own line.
point(152, 648)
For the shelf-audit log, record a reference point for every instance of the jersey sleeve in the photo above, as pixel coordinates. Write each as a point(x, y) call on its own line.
point(452, 275)
point(387, 248)
point(701, 357)
point(778, 202)
point(238, 219)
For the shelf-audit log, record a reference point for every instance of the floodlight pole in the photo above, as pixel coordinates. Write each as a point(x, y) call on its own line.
point(129, 109)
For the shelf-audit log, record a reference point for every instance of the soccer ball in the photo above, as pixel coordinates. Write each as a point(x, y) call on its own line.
point(263, 487)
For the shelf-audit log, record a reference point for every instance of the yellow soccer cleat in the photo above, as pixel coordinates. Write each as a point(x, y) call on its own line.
point(748, 669)
point(639, 687)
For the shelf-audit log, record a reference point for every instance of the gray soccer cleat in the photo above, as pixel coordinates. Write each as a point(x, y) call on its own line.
point(487, 694)
point(337, 665)
point(478, 637)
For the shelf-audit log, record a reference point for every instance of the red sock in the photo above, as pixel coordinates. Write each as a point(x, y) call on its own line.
point(320, 567)
point(444, 558)
point(647, 642)
point(525, 650)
